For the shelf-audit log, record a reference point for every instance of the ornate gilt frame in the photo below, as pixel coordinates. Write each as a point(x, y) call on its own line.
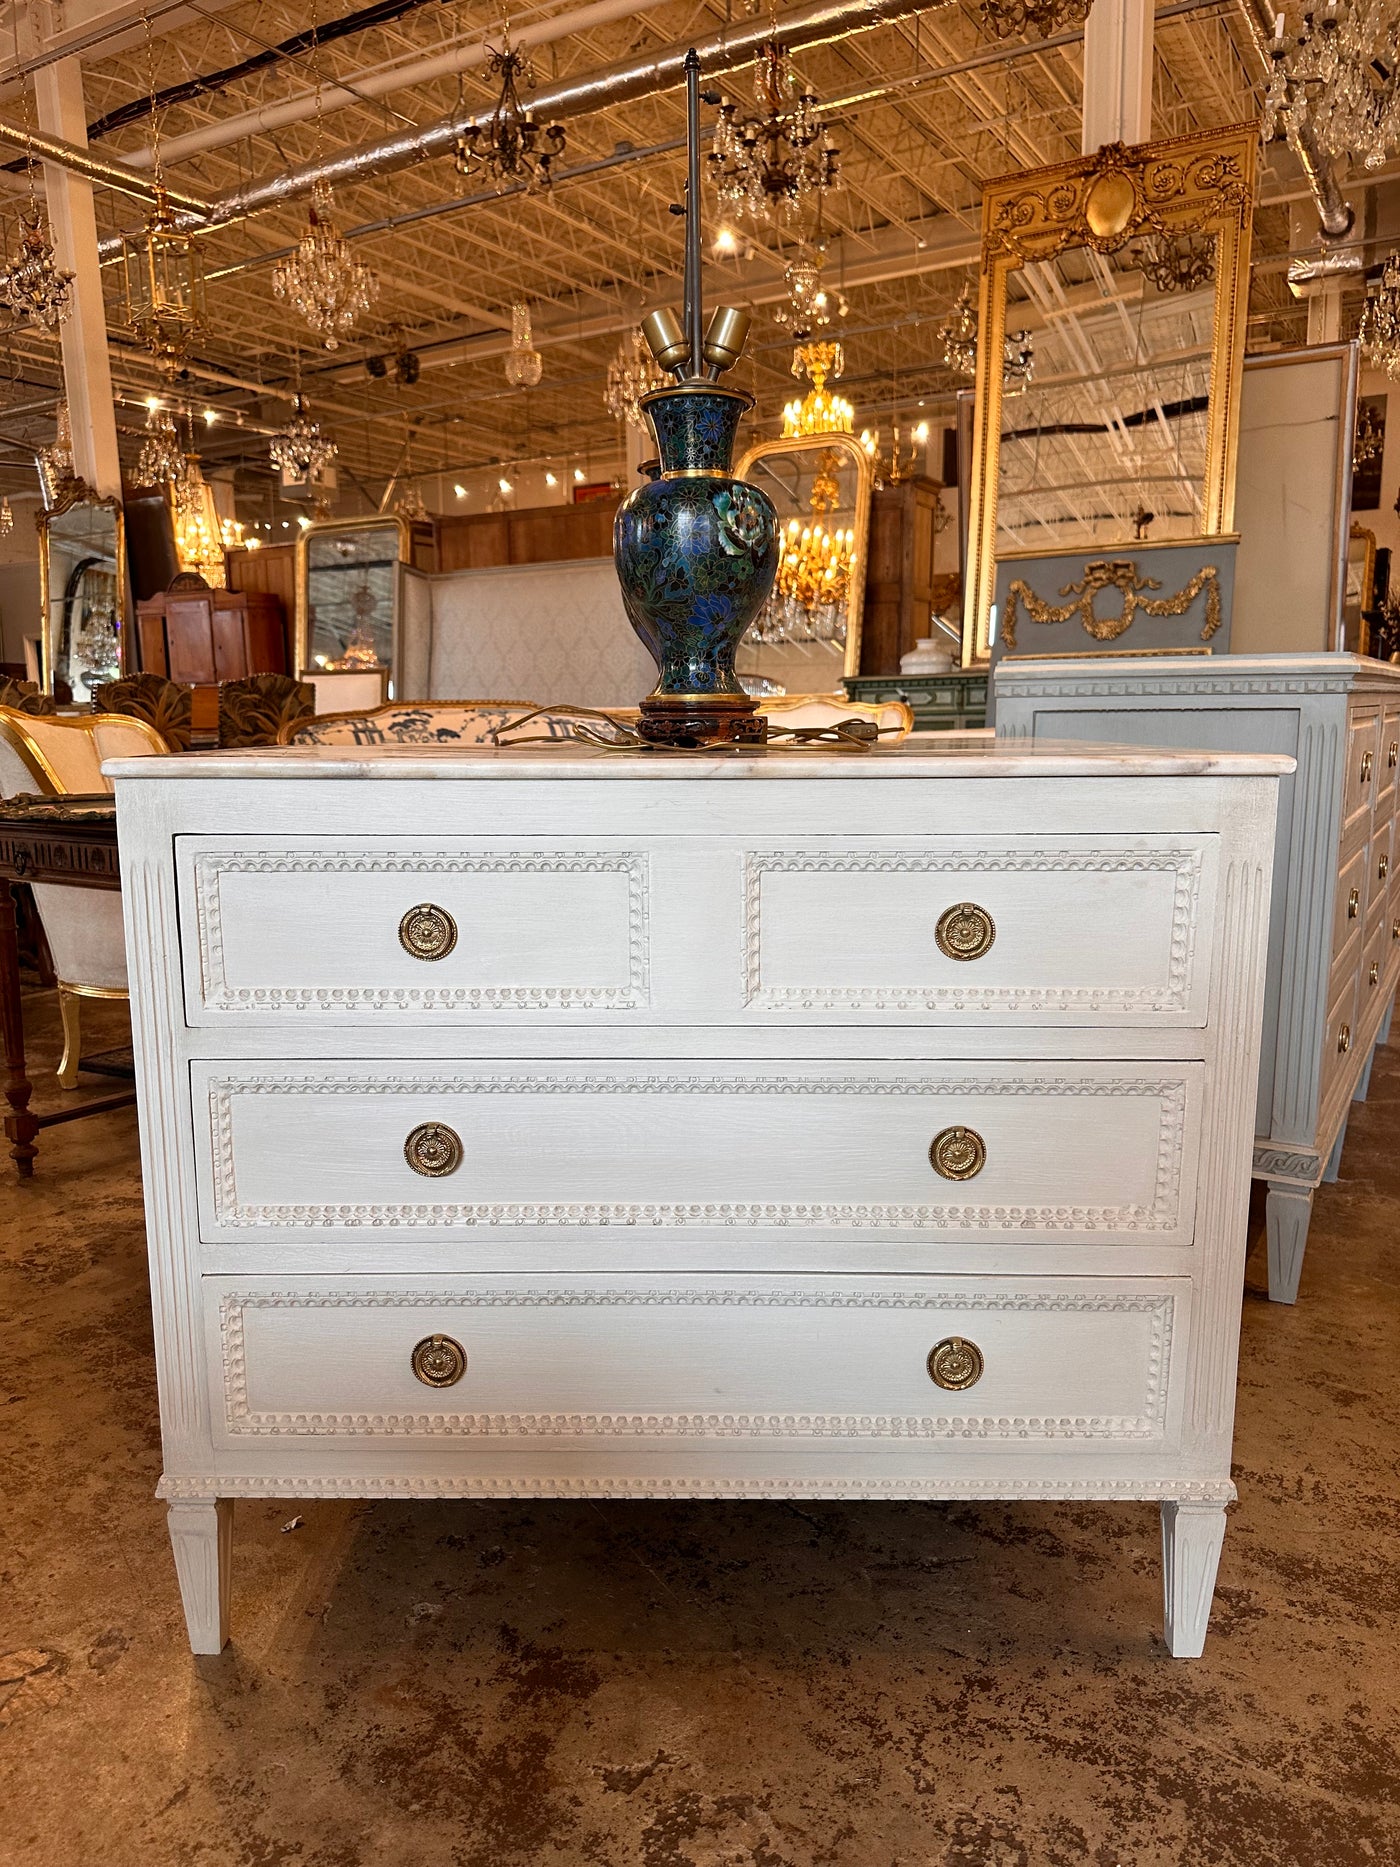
point(302, 564)
point(1203, 183)
point(847, 444)
point(71, 493)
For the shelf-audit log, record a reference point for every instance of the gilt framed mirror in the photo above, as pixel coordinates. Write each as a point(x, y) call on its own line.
point(82, 591)
point(349, 591)
point(1110, 345)
point(806, 638)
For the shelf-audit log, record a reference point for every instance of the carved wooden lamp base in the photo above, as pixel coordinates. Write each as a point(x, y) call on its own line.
point(690, 720)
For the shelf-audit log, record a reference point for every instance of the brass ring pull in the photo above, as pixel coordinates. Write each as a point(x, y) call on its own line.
point(965, 931)
point(438, 1361)
point(1375, 972)
point(955, 1363)
point(1395, 930)
point(1353, 904)
point(1367, 761)
point(1344, 1040)
point(427, 932)
point(433, 1150)
point(958, 1153)
point(1382, 868)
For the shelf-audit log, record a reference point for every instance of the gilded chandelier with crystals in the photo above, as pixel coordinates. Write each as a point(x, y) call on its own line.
point(31, 284)
point(772, 161)
point(323, 281)
point(632, 374)
point(819, 411)
point(301, 449)
point(957, 334)
point(199, 541)
point(1368, 442)
point(524, 364)
point(511, 150)
point(1339, 77)
point(161, 460)
point(1379, 330)
point(1032, 19)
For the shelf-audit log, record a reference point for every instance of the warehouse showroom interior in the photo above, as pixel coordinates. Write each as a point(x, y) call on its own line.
point(699, 925)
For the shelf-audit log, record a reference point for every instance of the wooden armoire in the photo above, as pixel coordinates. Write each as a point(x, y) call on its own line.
point(900, 590)
point(193, 633)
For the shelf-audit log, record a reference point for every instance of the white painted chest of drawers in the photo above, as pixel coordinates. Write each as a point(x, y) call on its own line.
point(711, 1156)
point(1334, 946)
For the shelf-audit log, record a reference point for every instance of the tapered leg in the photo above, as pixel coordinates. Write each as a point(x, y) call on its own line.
point(1191, 1538)
point(1288, 1211)
point(69, 1005)
point(1332, 1170)
point(1363, 1087)
point(201, 1535)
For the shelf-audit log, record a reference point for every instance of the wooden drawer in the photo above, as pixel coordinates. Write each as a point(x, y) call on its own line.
point(1389, 759)
point(1375, 974)
point(1004, 929)
point(1340, 1035)
point(694, 1359)
point(1363, 779)
point(1100, 1151)
point(1349, 911)
point(1380, 860)
point(298, 925)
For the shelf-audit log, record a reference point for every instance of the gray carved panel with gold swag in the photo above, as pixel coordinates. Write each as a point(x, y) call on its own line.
point(1120, 600)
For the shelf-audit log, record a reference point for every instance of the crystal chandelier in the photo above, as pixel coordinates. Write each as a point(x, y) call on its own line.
point(1180, 262)
point(819, 411)
point(769, 164)
point(1339, 78)
point(523, 362)
point(1017, 360)
point(632, 374)
point(323, 281)
point(902, 460)
point(808, 306)
point(300, 449)
point(1032, 19)
point(410, 505)
point(1379, 329)
point(164, 287)
point(958, 334)
point(162, 459)
point(31, 284)
point(512, 149)
point(199, 543)
point(1368, 443)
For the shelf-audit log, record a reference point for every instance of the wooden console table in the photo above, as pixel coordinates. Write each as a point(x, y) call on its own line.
point(72, 840)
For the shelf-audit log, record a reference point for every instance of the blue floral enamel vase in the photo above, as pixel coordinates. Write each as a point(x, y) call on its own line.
point(696, 553)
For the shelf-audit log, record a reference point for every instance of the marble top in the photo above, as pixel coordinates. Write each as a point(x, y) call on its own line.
point(1139, 674)
point(941, 755)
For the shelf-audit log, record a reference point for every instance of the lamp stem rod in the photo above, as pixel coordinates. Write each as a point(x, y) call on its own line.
point(694, 314)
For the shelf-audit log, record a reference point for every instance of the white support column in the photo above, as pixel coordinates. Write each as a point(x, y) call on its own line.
point(1117, 73)
point(87, 374)
point(1325, 312)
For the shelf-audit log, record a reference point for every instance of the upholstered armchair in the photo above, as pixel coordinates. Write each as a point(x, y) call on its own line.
point(165, 705)
point(257, 710)
point(50, 755)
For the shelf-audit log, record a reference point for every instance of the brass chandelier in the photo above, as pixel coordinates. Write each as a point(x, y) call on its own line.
point(957, 333)
point(31, 284)
point(771, 162)
point(161, 459)
point(512, 150)
point(301, 449)
point(632, 374)
point(1182, 262)
point(164, 287)
point(524, 364)
point(323, 281)
point(819, 411)
point(1032, 19)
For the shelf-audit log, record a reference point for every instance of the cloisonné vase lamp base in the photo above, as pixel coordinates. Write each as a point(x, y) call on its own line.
point(696, 553)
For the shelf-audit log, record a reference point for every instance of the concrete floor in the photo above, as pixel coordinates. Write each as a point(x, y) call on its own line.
point(693, 1685)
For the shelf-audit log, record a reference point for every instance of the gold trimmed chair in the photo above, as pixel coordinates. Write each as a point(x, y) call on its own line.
point(52, 755)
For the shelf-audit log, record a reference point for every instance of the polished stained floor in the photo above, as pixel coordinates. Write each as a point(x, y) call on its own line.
point(693, 1685)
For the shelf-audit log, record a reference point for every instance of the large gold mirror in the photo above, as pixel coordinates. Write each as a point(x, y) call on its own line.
point(82, 590)
point(348, 590)
point(1122, 279)
point(807, 635)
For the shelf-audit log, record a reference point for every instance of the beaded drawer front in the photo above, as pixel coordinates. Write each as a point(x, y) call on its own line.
point(982, 1151)
point(935, 929)
point(688, 1359)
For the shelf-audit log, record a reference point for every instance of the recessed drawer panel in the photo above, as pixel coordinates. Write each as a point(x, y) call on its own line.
point(1340, 1036)
point(1349, 913)
point(692, 1359)
point(1380, 857)
point(303, 926)
point(1076, 930)
point(1389, 759)
point(984, 1151)
point(1362, 777)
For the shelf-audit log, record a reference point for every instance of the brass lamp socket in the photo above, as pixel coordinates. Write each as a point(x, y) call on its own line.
point(725, 337)
point(666, 340)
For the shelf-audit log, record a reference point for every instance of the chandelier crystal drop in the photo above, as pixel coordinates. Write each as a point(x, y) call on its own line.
point(632, 374)
point(301, 449)
point(772, 161)
point(1338, 77)
point(957, 333)
point(1032, 19)
point(1379, 329)
point(511, 150)
point(819, 411)
point(323, 281)
point(524, 364)
point(31, 284)
point(162, 459)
